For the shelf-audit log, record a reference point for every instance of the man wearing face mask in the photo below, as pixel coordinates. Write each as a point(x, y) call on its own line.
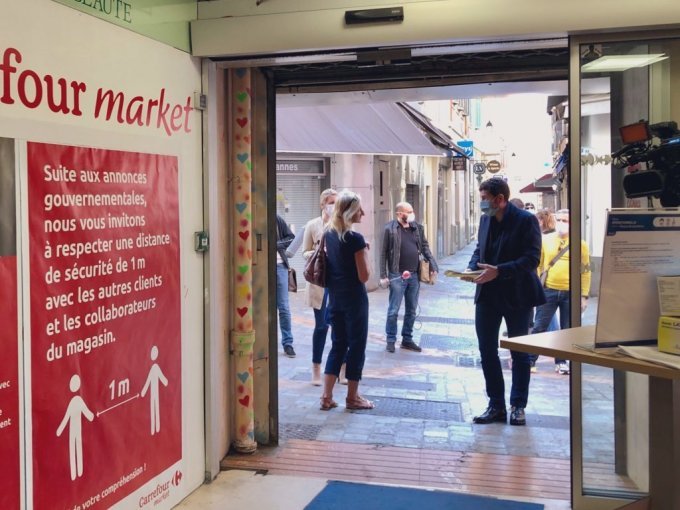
point(508, 252)
point(555, 259)
point(403, 246)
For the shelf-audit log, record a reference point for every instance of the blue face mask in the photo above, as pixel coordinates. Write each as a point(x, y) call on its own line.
point(485, 206)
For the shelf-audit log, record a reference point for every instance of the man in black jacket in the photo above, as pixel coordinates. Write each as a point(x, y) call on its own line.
point(507, 254)
point(404, 246)
point(284, 237)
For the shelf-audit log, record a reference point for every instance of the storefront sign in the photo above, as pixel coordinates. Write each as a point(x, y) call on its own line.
point(167, 22)
point(493, 166)
point(105, 324)
point(22, 86)
point(301, 167)
point(458, 163)
point(467, 146)
point(479, 168)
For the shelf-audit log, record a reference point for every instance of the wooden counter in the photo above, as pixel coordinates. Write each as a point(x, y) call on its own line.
point(664, 403)
point(561, 344)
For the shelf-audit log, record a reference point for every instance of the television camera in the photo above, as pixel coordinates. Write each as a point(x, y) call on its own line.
point(658, 147)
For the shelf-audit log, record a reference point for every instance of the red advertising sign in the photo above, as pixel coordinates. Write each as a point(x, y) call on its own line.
point(105, 324)
point(9, 385)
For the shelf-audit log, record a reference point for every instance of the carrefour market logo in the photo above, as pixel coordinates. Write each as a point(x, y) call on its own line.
point(24, 86)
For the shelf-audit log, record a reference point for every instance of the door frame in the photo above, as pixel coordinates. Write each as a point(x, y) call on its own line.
point(580, 499)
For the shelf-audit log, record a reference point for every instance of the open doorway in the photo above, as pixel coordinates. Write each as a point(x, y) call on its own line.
point(424, 400)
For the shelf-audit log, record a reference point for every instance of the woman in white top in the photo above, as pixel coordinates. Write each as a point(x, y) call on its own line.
point(317, 297)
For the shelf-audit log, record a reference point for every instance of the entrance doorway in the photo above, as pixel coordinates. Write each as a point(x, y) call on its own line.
point(303, 80)
point(424, 400)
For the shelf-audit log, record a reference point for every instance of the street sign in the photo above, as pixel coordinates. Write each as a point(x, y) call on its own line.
point(479, 168)
point(493, 166)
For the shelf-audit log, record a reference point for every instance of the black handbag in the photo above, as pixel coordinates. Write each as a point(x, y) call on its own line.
point(315, 267)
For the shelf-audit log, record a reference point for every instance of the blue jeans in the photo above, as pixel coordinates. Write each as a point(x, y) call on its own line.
point(552, 326)
point(488, 317)
point(554, 299)
point(321, 323)
point(349, 319)
point(283, 305)
point(399, 289)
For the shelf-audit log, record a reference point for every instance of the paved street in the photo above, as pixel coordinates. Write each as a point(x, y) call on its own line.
point(427, 400)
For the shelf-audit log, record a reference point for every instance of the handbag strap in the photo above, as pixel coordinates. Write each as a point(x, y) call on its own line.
point(557, 257)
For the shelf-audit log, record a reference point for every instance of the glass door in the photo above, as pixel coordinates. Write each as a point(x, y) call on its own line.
point(623, 152)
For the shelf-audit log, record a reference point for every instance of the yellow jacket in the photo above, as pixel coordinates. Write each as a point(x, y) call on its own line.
point(558, 276)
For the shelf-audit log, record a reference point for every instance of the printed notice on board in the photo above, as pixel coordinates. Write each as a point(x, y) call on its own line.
point(10, 482)
point(639, 246)
point(105, 324)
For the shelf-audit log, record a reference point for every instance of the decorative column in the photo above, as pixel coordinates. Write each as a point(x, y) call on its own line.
point(242, 336)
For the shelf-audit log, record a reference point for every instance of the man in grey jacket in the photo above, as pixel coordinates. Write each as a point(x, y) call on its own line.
point(404, 246)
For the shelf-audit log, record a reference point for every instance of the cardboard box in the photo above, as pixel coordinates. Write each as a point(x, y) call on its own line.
point(669, 295)
point(669, 335)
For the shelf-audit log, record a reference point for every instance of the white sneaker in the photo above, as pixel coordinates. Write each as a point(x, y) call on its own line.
point(563, 368)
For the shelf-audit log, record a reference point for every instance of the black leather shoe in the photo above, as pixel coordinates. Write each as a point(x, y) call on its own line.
point(517, 416)
point(390, 347)
point(491, 415)
point(411, 346)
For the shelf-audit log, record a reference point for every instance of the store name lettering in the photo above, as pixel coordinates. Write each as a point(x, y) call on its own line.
point(61, 96)
point(117, 8)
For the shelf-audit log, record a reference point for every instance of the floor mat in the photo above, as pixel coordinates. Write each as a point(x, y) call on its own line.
point(358, 496)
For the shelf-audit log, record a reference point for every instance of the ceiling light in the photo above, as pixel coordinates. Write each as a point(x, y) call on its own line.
point(611, 63)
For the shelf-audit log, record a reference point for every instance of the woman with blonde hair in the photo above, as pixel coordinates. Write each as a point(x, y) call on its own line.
point(347, 272)
point(317, 297)
point(546, 220)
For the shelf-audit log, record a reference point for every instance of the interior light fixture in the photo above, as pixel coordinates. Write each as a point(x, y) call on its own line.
point(613, 63)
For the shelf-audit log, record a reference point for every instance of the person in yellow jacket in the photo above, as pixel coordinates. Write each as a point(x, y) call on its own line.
point(557, 292)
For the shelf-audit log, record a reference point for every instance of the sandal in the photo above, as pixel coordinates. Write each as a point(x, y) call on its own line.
point(359, 403)
point(327, 403)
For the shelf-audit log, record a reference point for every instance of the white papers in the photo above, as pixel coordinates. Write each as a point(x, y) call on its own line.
point(651, 354)
point(639, 245)
point(462, 274)
point(669, 295)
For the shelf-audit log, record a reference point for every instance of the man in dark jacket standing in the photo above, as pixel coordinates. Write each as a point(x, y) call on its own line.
point(404, 245)
point(508, 252)
point(284, 237)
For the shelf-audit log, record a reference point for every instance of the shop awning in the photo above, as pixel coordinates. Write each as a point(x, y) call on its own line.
point(543, 184)
point(438, 137)
point(377, 128)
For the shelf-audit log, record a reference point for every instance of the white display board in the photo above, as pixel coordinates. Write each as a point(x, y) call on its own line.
point(639, 245)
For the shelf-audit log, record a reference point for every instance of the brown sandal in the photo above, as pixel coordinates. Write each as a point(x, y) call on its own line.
point(359, 403)
point(327, 403)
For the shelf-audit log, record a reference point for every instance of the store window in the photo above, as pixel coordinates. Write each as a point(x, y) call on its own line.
point(629, 158)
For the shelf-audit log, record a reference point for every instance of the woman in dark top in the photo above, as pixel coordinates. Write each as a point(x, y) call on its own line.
point(346, 274)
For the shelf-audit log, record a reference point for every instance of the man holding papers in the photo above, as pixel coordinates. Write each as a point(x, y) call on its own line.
point(508, 251)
